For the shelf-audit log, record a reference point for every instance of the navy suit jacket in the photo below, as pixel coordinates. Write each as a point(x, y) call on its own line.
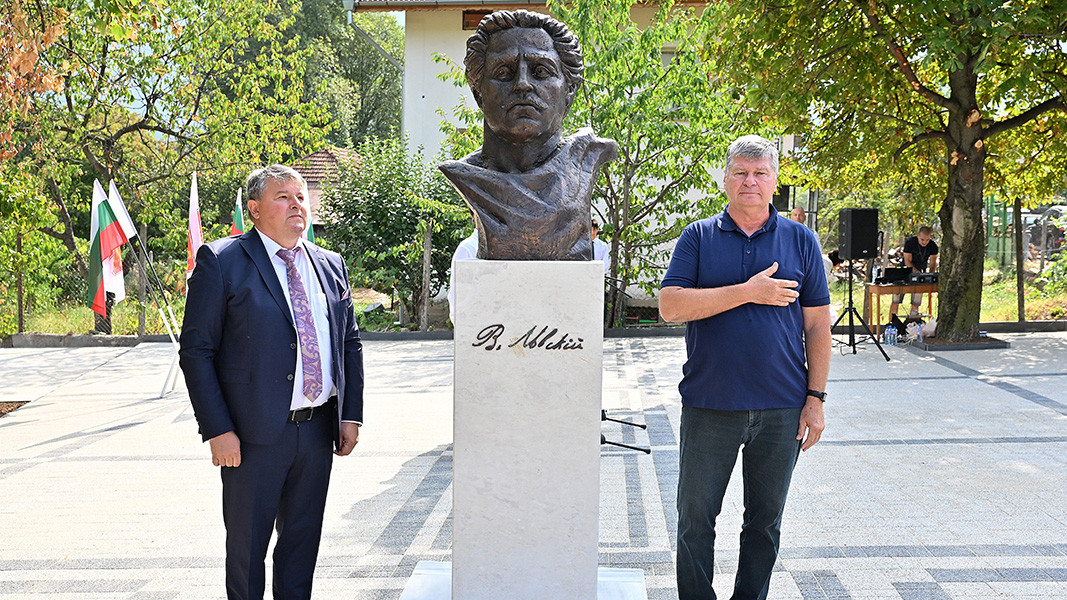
point(239, 344)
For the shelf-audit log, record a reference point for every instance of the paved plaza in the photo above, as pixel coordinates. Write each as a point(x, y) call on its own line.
point(941, 476)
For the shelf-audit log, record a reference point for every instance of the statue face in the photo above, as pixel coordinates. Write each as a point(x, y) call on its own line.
point(524, 92)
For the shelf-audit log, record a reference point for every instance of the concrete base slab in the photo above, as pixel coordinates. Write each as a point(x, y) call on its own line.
point(986, 343)
point(432, 580)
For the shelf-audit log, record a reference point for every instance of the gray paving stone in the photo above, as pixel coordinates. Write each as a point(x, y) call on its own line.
point(937, 479)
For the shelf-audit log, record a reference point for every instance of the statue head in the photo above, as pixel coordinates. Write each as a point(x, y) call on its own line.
point(524, 69)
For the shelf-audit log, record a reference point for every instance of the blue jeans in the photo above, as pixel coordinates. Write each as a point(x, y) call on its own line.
point(710, 441)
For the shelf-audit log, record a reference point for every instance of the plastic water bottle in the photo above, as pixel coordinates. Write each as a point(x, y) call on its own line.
point(890, 336)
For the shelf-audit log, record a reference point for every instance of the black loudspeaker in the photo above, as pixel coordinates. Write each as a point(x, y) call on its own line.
point(858, 235)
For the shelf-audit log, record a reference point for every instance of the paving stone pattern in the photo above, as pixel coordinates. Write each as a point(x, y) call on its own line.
point(942, 476)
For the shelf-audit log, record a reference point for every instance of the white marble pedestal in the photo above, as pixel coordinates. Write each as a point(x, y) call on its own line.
point(433, 581)
point(526, 474)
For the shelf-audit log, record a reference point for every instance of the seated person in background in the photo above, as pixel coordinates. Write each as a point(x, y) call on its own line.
point(920, 252)
point(829, 261)
point(600, 249)
point(798, 215)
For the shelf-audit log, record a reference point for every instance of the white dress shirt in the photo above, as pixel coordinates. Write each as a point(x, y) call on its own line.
point(317, 299)
point(600, 252)
point(468, 248)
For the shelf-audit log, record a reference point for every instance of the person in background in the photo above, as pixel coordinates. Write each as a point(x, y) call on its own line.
point(798, 215)
point(468, 248)
point(920, 255)
point(829, 261)
point(600, 249)
point(751, 288)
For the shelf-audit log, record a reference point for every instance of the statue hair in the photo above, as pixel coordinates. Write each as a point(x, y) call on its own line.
point(565, 43)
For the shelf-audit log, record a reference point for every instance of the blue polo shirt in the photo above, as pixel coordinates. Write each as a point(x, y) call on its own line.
point(750, 357)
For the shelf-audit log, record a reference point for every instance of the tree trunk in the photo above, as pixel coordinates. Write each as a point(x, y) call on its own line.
point(424, 296)
point(623, 233)
point(959, 306)
point(67, 235)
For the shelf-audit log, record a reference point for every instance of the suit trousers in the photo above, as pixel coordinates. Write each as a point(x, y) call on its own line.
point(710, 442)
point(283, 486)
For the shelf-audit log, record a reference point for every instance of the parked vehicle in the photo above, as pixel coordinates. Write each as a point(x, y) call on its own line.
point(1046, 233)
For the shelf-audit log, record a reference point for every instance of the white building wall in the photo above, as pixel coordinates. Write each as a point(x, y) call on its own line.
point(427, 32)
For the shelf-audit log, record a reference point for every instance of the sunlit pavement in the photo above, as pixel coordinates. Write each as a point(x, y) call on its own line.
point(942, 476)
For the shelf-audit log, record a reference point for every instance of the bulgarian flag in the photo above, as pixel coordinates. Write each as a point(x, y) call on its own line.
point(237, 226)
point(105, 260)
point(196, 232)
point(309, 233)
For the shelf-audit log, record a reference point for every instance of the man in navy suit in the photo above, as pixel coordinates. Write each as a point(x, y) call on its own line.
point(274, 365)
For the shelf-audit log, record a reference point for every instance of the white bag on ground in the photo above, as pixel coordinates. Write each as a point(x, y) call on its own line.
point(930, 329)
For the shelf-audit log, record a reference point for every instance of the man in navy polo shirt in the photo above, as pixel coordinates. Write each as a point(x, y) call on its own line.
point(751, 287)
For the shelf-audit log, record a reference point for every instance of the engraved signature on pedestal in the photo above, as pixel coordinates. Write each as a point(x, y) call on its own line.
point(534, 339)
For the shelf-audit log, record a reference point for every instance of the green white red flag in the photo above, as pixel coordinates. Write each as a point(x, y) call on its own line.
point(237, 226)
point(196, 232)
point(105, 260)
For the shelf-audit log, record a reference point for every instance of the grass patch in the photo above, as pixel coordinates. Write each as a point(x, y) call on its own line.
point(80, 319)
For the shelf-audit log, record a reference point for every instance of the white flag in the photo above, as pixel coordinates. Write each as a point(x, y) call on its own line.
point(119, 208)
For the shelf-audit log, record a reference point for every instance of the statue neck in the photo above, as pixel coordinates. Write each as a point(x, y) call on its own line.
point(501, 155)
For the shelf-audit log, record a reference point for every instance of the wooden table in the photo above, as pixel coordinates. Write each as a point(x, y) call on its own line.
point(879, 290)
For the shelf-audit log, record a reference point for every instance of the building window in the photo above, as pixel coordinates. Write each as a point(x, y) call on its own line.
point(471, 18)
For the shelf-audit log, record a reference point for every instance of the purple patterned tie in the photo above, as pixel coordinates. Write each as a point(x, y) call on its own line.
point(305, 326)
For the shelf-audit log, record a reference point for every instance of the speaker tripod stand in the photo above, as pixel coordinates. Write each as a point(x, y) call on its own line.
point(851, 312)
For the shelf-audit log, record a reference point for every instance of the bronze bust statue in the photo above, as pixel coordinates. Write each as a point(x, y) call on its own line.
point(529, 187)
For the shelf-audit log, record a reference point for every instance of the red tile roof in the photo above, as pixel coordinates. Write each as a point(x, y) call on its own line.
point(321, 167)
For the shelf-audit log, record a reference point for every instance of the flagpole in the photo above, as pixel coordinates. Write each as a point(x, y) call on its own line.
point(171, 324)
point(123, 216)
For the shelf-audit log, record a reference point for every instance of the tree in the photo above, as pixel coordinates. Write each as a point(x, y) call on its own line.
point(1029, 171)
point(347, 74)
point(651, 90)
point(920, 91)
point(24, 76)
point(152, 91)
point(379, 212)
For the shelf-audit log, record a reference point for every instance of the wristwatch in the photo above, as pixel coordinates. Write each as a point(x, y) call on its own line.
point(820, 395)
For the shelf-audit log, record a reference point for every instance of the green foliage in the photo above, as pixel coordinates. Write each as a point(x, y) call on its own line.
point(44, 266)
point(1053, 280)
point(902, 209)
point(153, 91)
point(465, 135)
point(650, 88)
point(920, 94)
point(380, 210)
point(358, 86)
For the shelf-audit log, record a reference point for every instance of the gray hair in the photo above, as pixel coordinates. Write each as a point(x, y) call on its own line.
point(257, 180)
point(565, 43)
point(752, 147)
